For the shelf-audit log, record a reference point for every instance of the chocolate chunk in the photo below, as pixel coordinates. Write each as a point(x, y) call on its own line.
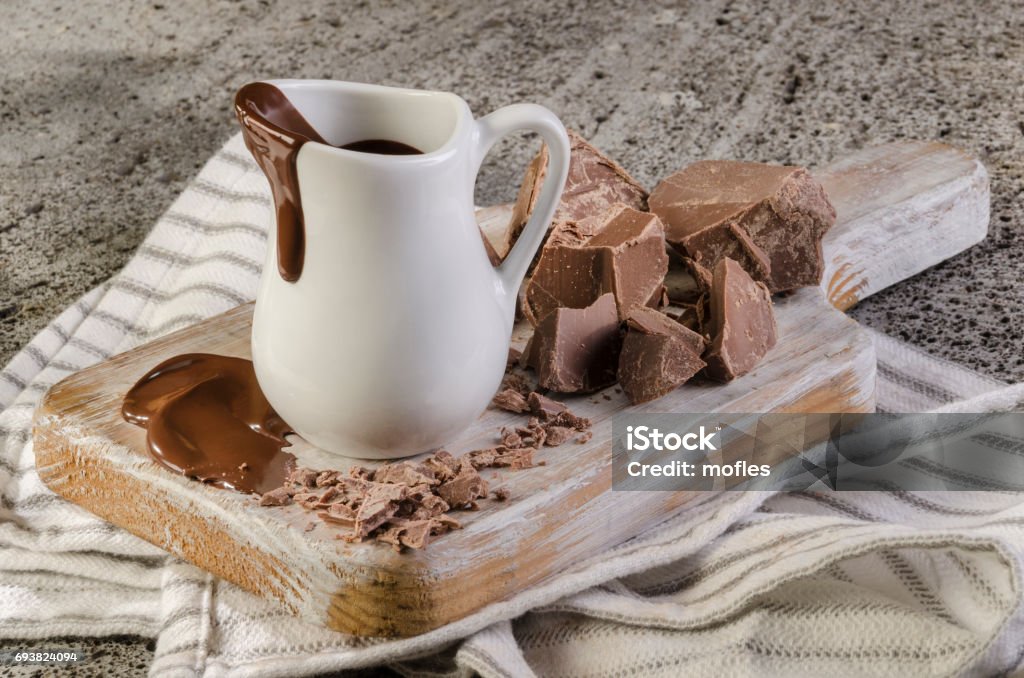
point(510, 400)
point(622, 251)
point(770, 219)
point(651, 322)
point(278, 497)
point(465, 488)
point(742, 322)
point(595, 182)
point(577, 350)
point(658, 355)
point(631, 246)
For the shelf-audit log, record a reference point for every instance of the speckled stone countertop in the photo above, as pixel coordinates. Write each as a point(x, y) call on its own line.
point(108, 109)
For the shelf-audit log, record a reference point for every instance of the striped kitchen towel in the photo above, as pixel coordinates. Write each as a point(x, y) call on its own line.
point(877, 583)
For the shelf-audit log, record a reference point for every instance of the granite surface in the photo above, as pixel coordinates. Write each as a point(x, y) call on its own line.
point(107, 109)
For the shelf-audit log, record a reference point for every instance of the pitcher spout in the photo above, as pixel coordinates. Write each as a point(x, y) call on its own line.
point(360, 124)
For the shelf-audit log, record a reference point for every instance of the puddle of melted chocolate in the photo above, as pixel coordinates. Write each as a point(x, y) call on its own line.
point(206, 417)
point(274, 131)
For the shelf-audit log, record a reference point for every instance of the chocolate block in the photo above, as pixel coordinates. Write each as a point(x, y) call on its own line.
point(742, 322)
point(622, 251)
point(769, 218)
point(658, 355)
point(595, 183)
point(577, 349)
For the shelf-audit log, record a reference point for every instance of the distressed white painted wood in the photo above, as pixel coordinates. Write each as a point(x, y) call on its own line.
point(557, 514)
point(902, 208)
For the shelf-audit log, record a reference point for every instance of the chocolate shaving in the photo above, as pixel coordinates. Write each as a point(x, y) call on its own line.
point(405, 473)
point(276, 497)
point(443, 464)
point(465, 488)
point(510, 400)
point(405, 504)
point(378, 506)
point(304, 477)
point(556, 435)
point(514, 356)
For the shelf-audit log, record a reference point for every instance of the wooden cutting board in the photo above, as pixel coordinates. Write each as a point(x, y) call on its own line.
point(901, 208)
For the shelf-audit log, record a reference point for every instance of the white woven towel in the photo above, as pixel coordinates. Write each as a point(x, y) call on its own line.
point(886, 583)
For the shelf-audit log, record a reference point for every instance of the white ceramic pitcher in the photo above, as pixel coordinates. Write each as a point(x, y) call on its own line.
point(394, 337)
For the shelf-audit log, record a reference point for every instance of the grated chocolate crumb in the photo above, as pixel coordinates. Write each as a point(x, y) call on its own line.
point(406, 504)
point(511, 401)
point(276, 497)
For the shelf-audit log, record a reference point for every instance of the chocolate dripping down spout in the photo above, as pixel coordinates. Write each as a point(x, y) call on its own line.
point(274, 132)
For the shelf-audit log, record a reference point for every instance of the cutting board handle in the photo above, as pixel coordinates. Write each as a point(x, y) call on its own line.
point(901, 208)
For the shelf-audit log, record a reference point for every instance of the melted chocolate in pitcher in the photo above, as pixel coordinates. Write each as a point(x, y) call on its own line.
point(206, 418)
point(274, 131)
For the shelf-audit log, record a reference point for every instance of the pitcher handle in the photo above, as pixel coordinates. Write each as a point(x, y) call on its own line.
point(491, 128)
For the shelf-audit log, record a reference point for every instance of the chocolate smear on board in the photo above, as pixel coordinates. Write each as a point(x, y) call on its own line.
point(206, 418)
